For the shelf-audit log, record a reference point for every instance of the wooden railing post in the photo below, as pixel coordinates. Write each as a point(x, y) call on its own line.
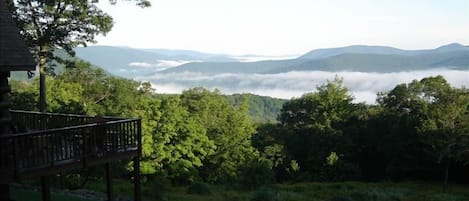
point(15, 158)
point(45, 188)
point(84, 151)
point(137, 187)
point(4, 192)
point(108, 178)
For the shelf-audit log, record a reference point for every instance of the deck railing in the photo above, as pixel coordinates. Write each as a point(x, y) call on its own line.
point(53, 140)
point(42, 120)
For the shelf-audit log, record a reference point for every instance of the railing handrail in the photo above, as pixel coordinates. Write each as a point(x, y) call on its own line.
point(90, 125)
point(63, 115)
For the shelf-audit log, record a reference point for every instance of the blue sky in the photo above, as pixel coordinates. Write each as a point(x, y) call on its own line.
point(287, 27)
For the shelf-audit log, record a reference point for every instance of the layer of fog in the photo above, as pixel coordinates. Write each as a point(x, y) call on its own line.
point(254, 58)
point(363, 86)
point(159, 65)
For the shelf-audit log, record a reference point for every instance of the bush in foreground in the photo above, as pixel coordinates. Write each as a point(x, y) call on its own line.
point(264, 194)
point(199, 188)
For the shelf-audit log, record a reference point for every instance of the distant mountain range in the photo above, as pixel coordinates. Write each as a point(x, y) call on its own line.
point(364, 49)
point(352, 58)
point(171, 71)
point(130, 62)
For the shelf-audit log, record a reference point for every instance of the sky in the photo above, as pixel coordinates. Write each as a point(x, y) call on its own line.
point(286, 27)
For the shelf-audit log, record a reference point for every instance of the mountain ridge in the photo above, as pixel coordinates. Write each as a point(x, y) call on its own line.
point(452, 57)
point(130, 62)
point(377, 49)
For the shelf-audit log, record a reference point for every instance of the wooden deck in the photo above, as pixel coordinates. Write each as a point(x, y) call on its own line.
point(46, 143)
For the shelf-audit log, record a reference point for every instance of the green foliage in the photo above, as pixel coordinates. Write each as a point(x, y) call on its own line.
point(264, 194)
point(24, 101)
point(49, 25)
point(228, 127)
point(436, 113)
point(314, 128)
point(332, 159)
point(30, 195)
point(390, 194)
point(341, 198)
point(445, 197)
point(357, 191)
point(46, 25)
point(322, 111)
point(274, 154)
point(256, 174)
point(199, 188)
point(262, 109)
point(179, 143)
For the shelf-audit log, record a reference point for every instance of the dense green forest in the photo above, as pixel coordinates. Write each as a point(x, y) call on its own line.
point(416, 131)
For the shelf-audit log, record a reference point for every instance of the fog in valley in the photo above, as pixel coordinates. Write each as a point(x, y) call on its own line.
point(363, 86)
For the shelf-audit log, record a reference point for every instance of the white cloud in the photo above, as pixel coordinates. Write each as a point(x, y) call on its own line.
point(141, 64)
point(159, 65)
point(363, 86)
point(171, 63)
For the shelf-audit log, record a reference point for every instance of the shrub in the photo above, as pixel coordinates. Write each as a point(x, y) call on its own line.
point(339, 170)
point(290, 196)
point(378, 194)
point(233, 196)
point(341, 198)
point(256, 174)
point(199, 188)
point(157, 186)
point(264, 194)
point(445, 197)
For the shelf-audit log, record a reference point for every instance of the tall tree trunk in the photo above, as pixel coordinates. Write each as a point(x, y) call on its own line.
point(42, 79)
point(445, 182)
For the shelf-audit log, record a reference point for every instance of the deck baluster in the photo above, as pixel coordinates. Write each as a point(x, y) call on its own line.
point(42, 149)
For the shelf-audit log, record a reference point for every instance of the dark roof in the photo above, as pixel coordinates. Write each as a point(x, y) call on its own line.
point(14, 54)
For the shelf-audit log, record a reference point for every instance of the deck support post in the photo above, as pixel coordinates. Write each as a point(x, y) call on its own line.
point(107, 167)
point(4, 192)
point(45, 188)
point(137, 187)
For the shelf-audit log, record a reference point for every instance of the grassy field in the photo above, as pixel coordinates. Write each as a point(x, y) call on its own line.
point(31, 195)
point(343, 191)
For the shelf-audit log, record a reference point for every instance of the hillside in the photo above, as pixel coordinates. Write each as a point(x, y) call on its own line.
point(233, 67)
point(130, 62)
point(262, 109)
point(365, 49)
point(383, 63)
point(133, 63)
point(352, 58)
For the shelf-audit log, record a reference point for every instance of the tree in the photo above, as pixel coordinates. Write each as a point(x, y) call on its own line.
point(50, 24)
point(179, 144)
point(23, 96)
point(228, 127)
point(315, 123)
point(439, 112)
point(322, 111)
